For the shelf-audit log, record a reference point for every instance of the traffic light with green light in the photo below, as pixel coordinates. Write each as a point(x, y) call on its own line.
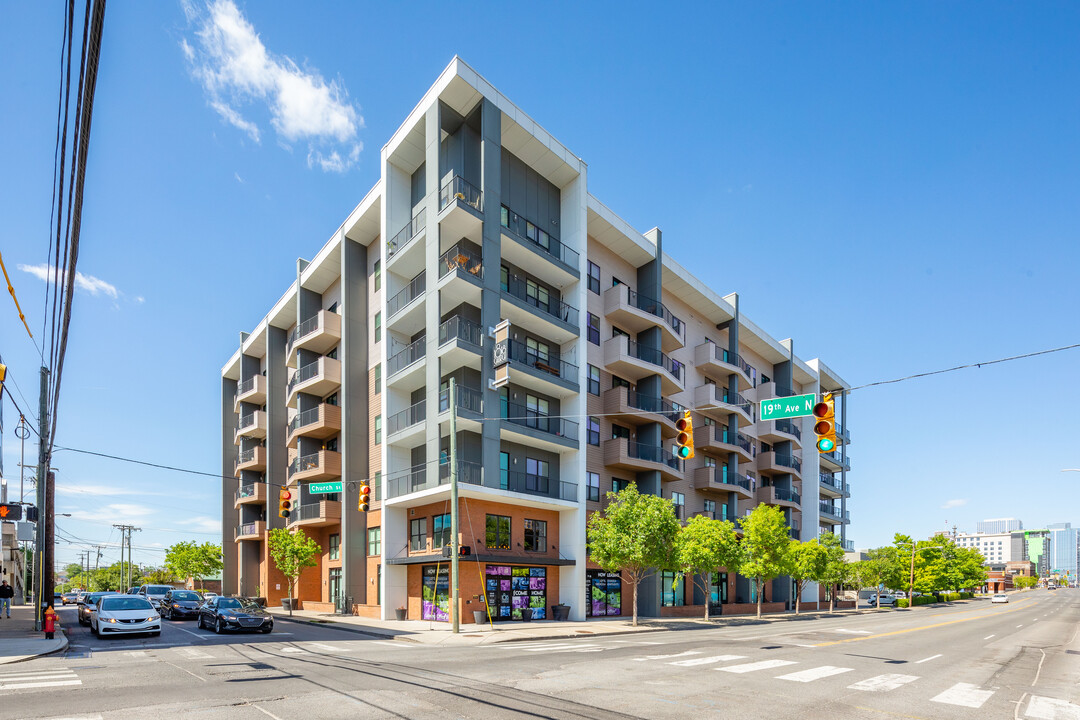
point(684, 442)
point(825, 423)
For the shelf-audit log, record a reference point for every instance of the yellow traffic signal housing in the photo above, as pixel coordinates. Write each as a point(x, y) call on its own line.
point(284, 503)
point(684, 442)
point(825, 423)
point(364, 501)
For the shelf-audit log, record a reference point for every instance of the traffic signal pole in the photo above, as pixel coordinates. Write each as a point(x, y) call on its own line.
point(455, 548)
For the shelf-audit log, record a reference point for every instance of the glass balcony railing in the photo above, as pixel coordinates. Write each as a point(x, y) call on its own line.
point(467, 399)
point(536, 295)
point(458, 188)
point(460, 257)
point(406, 418)
point(406, 295)
point(404, 235)
point(653, 404)
point(787, 495)
point(788, 461)
point(406, 357)
point(542, 240)
point(528, 417)
point(458, 328)
point(729, 438)
point(546, 362)
point(656, 357)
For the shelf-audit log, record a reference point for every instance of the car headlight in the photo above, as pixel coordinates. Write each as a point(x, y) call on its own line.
point(111, 620)
point(151, 618)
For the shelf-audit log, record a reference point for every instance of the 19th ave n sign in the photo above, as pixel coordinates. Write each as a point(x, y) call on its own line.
point(787, 407)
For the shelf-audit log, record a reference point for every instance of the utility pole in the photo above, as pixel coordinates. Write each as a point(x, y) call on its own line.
point(125, 529)
point(44, 512)
point(454, 543)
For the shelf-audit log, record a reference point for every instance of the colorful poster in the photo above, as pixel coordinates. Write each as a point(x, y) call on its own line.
point(435, 601)
point(512, 589)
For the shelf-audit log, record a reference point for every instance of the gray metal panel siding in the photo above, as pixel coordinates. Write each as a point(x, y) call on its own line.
point(229, 485)
point(355, 412)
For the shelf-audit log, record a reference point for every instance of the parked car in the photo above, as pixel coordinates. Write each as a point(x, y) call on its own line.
point(208, 595)
point(124, 614)
point(1000, 598)
point(88, 603)
point(132, 591)
point(154, 593)
point(222, 613)
point(180, 604)
point(58, 599)
point(886, 599)
point(71, 598)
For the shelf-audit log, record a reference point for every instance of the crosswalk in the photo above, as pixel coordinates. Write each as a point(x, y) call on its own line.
point(57, 677)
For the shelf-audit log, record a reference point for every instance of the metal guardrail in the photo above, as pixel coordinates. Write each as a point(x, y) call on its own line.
point(656, 357)
point(406, 357)
point(549, 363)
point(651, 404)
point(517, 414)
point(407, 294)
point(245, 491)
point(458, 328)
point(246, 529)
point(304, 463)
point(544, 241)
point(459, 257)
point(789, 461)
point(467, 399)
point(786, 426)
point(518, 286)
point(786, 495)
point(407, 418)
point(652, 453)
point(304, 374)
point(657, 308)
point(458, 188)
point(404, 235)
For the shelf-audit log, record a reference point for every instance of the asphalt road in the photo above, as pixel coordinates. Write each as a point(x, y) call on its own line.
point(971, 660)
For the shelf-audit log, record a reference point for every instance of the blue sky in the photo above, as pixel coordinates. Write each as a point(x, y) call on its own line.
point(894, 188)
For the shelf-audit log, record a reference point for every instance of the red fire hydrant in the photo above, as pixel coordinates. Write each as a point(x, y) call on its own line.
point(50, 622)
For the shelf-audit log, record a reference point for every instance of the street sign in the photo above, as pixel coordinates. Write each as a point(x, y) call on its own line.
point(787, 407)
point(322, 488)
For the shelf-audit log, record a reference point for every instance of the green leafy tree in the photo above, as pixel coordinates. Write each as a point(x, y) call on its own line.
point(189, 559)
point(881, 567)
point(704, 545)
point(807, 562)
point(766, 547)
point(634, 535)
point(157, 576)
point(1024, 582)
point(834, 571)
point(292, 552)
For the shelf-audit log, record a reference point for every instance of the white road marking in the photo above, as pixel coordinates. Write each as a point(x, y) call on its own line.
point(294, 650)
point(197, 677)
point(25, 685)
point(814, 673)
point(883, 683)
point(1020, 626)
point(932, 657)
point(963, 694)
point(391, 644)
point(328, 648)
point(706, 660)
point(1044, 708)
point(40, 673)
point(754, 666)
point(265, 712)
point(77, 717)
point(201, 636)
point(852, 632)
point(665, 657)
point(195, 654)
point(988, 637)
point(576, 647)
point(137, 653)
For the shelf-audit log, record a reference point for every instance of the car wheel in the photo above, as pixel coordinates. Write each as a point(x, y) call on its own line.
point(267, 629)
point(219, 626)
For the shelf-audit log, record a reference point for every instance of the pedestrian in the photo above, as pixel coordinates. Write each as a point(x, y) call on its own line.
point(6, 593)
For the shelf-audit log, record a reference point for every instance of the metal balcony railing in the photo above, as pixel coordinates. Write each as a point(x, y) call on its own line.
point(651, 453)
point(245, 386)
point(310, 511)
point(655, 307)
point(303, 419)
point(304, 463)
point(537, 296)
point(787, 495)
point(458, 188)
point(786, 426)
point(246, 529)
point(657, 405)
point(549, 244)
point(406, 357)
point(788, 461)
point(730, 438)
point(245, 491)
point(731, 358)
point(245, 421)
point(549, 363)
point(467, 399)
point(829, 509)
point(468, 472)
point(460, 257)
point(404, 235)
point(406, 295)
point(304, 329)
point(304, 374)
point(458, 328)
point(245, 456)
point(406, 418)
point(656, 357)
point(521, 415)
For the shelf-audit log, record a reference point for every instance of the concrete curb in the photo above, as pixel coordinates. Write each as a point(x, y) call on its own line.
point(347, 627)
point(33, 656)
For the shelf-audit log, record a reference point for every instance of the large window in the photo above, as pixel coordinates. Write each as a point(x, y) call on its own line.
point(374, 541)
point(378, 429)
point(334, 541)
point(536, 475)
point(378, 378)
point(593, 431)
point(719, 591)
point(536, 412)
point(378, 326)
point(535, 536)
point(504, 470)
point(594, 277)
point(418, 535)
point(537, 295)
point(618, 431)
point(441, 527)
point(593, 328)
point(537, 351)
point(498, 532)
point(592, 481)
point(594, 380)
point(378, 275)
point(673, 589)
point(617, 485)
point(679, 501)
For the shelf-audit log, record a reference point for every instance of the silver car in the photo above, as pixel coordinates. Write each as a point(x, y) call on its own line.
point(154, 593)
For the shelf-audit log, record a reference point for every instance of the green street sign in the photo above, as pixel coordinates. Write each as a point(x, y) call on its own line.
point(787, 407)
point(321, 488)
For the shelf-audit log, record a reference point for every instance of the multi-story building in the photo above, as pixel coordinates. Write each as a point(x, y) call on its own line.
point(1038, 548)
point(1065, 549)
point(999, 525)
point(996, 547)
point(481, 220)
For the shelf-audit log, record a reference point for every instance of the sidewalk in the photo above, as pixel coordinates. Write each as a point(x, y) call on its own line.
point(19, 641)
point(440, 633)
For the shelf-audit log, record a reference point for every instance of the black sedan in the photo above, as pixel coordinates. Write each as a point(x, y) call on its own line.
point(224, 613)
point(180, 604)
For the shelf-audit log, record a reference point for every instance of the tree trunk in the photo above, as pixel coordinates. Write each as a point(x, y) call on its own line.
point(798, 594)
point(292, 588)
point(832, 597)
point(708, 594)
point(760, 594)
point(636, 582)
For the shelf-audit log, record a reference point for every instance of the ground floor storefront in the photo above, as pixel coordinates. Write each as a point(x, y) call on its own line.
point(495, 591)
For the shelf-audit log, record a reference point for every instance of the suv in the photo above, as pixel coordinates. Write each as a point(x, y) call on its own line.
point(154, 593)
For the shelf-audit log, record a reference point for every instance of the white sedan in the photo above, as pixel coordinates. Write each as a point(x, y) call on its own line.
point(1000, 598)
point(123, 615)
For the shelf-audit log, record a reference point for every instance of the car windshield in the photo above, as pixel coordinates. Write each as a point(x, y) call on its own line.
point(157, 589)
point(227, 603)
point(186, 595)
point(93, 597)
point(124, 603)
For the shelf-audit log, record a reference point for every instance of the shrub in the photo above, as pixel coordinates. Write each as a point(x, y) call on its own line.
point(902, 602)
point(924, 600)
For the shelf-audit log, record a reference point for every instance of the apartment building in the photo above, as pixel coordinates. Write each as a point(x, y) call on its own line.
point(481, 220)
point(996, 547)
point(1065, 546)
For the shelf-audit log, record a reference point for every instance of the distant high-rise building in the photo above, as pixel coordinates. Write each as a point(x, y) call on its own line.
point(999, 525)
point(1039, 550)
point(1065, 548)
point(995, 547)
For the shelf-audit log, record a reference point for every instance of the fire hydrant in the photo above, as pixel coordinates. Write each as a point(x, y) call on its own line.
point(50, 622)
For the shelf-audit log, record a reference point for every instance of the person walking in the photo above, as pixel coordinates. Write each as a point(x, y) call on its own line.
point(6, 593)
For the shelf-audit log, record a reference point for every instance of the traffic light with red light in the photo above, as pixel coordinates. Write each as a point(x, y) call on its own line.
point(684, 442)
point(285, 503)
point(364, 501)
point(825, 423)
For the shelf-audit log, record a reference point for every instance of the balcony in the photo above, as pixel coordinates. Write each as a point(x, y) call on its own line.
point(833, 461)
point(527, 304)
point(470, 408)
point(253, 459)
point(319, 378)
point(461, 276)
point(405, 308)
point(794, 529)
point(251, 425)
point(719, 402)
point(319, 422)
point(402, 254)
point(461, 209)
point(772, 495)
point(525, 243)
point(405, 368)
point(406, 428)
point(321, 465)
point(637, 457)
point(252, 390)
point(251, 531)
point(635, 312)
point(718, 440)
point(550, 433)
point(529, 484)
point(829, 513)
point(415, 479)
point(319, 333)
point(768, 390)
point(543, 372)
point(250, 494)
point(626, 405)
point(849, 545)
point(843, 434)
point(832, 486)
point(711, 358)
point(631, 360)
point(460, 344)
point(714, 479)
point(317, 514)
point(774, 463)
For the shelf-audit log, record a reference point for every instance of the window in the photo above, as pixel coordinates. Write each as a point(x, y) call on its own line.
point(374, 541)
point(618, 485)
point(679, 501)
point(498, 532)
point(441, 528)
point(719, 592)
point(504, 470)
point(593, 328)
point(504, 278)
point(615, 281)
point(504, 216)
point(594, 380)
point(378, 275)
point(332, 354)
point(536, 412)
point(530, 231)
point(334, 541)
point(331, 445)
point(617, 381)
point(377, 487)
point(710, 507)
point(378, 378)
point(378, 429)
point(537, 351)
point(418, 535)
point(618, 431)
point(594, 277)
point(592, 482)
point(331, 399)
point(710, 461)
point(537, 295)
point(536, 475)
point(615, 332)
point(535, 536)
point(378, 327)
point(593, 431)
point(673, 589)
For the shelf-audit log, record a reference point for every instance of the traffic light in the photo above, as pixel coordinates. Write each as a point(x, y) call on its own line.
point(285, 503)
point(365, 497)
point(30, 514)
point(10, 511)
point(684, 442)
point(825, 423)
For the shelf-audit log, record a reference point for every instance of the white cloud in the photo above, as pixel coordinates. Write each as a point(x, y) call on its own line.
point(108, 490)
point(86, 283)
point(958, 502)
point(202, 523)
point(115, 512)
point(234, 66)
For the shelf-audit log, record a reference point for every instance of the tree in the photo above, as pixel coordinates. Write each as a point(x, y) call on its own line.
point(881, 565)
point(704, 545)
point(766, 546)
point(834, 571)
point(807, 563)
point(157, 576)
point(634, 535)
point(1024, 582)
point(188, 559)
point(292, 552)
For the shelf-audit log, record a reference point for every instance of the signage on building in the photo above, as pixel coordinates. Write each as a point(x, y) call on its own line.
point(500, 356)
point(323, 488)
point(787, 407)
